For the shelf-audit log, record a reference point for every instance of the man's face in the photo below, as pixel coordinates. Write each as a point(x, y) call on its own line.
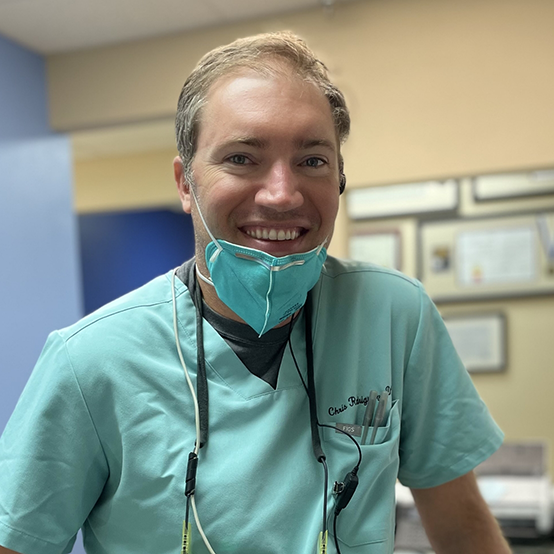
point(266, 166)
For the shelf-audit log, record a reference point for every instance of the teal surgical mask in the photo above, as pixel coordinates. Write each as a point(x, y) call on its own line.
point(261, 289)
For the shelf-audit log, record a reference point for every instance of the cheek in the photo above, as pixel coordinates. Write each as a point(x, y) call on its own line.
point(328, 209)
point(229, 200)
point(217, 209)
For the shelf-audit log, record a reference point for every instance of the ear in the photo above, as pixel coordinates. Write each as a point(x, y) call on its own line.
point(342, 176)
point(182, 185)
point(342, 182)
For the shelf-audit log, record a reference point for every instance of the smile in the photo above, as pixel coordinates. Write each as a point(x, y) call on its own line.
point(273, 234)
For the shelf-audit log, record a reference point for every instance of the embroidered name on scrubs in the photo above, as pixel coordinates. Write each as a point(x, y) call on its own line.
point(351, 402)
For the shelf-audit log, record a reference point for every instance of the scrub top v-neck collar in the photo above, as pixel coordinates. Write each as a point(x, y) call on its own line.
point(223, 365)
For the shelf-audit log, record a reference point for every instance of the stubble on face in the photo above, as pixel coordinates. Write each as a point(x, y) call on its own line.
point(276, 127)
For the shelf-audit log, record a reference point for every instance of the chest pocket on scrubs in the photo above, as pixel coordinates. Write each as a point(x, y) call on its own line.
point(368, 520)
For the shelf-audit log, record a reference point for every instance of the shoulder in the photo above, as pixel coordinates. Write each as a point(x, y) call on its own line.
point(132, 310)
point(118, 341)
point(361, 280)
point(335, 268)
point(365, 295)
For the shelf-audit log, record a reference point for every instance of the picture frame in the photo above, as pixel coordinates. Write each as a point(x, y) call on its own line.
point(379, 246)
point(402, 199)
point(480, 340)
point(503, 186)
point(485, 258)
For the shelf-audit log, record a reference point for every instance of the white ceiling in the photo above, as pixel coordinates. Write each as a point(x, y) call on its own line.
point(52, 26)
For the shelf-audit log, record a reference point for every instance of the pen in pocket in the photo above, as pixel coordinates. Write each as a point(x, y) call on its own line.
point(379, 414)
point(368, 415)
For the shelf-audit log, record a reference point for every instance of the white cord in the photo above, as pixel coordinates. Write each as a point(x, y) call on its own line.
point(196, 409)
point(200, 530)
point(191, 386)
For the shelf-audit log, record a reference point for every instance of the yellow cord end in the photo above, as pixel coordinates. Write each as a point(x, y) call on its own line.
point(186, 538)
point(322, 543)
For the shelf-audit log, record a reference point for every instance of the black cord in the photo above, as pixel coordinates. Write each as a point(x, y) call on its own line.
point(317, 420)
point(294, 358)
point(357, 467)
point(313, 416)
point(316, 440)
point(201, 379)
point(335, 533)
point(325, 493)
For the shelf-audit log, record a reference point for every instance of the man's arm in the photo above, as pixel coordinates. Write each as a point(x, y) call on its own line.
point(457, 520)
point(6, 551)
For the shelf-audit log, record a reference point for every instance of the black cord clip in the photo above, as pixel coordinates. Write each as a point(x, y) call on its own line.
point(190, 481)
point(345, 490)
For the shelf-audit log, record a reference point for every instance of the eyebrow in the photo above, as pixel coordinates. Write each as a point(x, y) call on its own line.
point(248, 141)
point(262, 144)
point(311, 143)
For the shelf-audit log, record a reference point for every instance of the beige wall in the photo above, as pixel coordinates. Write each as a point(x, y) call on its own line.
point(436, 88)
point(521, 398)
point(132, 181)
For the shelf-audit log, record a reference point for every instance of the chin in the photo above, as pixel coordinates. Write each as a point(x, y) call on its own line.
point(280, 249)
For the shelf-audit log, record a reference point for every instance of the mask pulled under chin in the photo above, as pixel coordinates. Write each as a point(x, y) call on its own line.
point(260, 288)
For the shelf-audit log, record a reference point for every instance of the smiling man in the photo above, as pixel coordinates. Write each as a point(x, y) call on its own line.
point(213, 409)
point(266, 173)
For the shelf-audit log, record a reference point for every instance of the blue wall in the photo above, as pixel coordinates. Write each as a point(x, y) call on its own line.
point(121, 251)
point(23, 98)
point(39, 270)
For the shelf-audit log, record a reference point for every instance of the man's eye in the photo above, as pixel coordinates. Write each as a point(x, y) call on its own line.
point(314, 162)
point(238, 159)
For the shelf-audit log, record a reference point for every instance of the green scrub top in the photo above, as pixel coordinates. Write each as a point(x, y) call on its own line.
point(102, 432)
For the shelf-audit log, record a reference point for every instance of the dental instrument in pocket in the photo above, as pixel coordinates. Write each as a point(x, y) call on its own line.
point(368, 415)
point(379, 414)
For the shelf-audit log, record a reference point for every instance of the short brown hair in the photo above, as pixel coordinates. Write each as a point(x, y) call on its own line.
point(259, 52)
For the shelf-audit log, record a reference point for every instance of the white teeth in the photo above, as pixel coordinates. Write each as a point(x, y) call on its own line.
point(273, 234)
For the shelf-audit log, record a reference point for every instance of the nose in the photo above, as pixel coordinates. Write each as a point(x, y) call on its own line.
point(280, 188)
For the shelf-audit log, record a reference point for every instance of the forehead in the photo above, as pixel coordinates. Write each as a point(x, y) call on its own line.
point(249, 98)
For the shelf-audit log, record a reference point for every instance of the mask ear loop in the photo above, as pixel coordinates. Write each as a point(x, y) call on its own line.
point(321, 246)
point(214, 240)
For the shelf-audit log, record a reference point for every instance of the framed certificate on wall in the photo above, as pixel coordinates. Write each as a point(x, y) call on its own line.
point(482, 258)
point(379, 247)
point(480, 340)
